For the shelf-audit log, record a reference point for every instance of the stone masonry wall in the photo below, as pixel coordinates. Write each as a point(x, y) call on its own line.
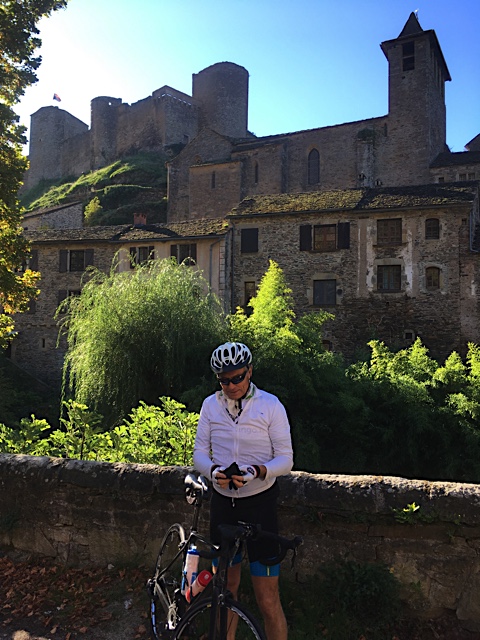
point(442, 317)
point(94, 513)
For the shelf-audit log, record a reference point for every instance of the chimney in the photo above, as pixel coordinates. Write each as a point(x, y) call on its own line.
point(139, 219)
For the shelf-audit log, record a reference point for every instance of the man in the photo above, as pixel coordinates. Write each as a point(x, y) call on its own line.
point(242, 424)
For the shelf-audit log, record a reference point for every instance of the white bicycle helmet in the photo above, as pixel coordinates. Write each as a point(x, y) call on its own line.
point(230, 356)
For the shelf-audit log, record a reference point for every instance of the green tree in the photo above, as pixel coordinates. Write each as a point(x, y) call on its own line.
point(18, 64)
point(140, 334)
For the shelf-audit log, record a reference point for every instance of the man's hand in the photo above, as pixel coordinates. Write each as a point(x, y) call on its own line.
point(219, 478)
point(249, 473)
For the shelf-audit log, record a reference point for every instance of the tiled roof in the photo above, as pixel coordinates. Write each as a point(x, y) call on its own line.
point(447, 159)
point(128, 233)
point(357, 199)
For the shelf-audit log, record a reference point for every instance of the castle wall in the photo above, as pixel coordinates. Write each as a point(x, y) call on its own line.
point(208, 145)
point(214, 189)
point(85, 513)
point(76, 155)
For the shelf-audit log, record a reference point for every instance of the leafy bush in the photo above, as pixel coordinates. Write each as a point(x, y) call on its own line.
point(162, 435)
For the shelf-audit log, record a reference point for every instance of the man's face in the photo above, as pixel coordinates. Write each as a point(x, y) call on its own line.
point(236, 391)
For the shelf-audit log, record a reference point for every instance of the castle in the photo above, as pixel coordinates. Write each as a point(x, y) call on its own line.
point(374, 220)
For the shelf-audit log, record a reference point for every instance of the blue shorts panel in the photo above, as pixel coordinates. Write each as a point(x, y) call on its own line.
point(260, 570)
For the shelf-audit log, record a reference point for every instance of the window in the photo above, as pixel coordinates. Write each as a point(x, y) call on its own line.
point(213, 180)
point(256, 173)
point(327, 345)
point(432, 229)
point(432, 278)
point(324, 237)
point(313, 167)
point(30, 263)
point(389, 277)
point(63, 294)
point(441, 179)
point(75, 259)
point(248, 240)
point(389, 231)
point(462, 177)
point(471, 176)
point(408, 56)
point(184, 253)
point(324, 292)
point(139, 255)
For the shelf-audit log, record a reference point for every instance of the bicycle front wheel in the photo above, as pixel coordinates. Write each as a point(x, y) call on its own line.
point(196, 622)
point(165, 585)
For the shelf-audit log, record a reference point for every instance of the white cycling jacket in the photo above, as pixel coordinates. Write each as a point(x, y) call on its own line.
point(259, 434)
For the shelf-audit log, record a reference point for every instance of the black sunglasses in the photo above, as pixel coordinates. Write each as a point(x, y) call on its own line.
point(235, 380)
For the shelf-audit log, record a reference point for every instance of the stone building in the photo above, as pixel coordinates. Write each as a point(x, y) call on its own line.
point(405, 147)
point(374, 220)
point(392, 263)
point(62, 256)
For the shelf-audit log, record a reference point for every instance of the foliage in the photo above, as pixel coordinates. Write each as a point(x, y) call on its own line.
point(138, 334)
point(115, 185)
point(157, 435)
point(18, 66)
point(358, 598)
point(92, 208)
point(161, 435)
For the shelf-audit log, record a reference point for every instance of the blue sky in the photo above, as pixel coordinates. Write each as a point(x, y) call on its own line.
point(312, 63)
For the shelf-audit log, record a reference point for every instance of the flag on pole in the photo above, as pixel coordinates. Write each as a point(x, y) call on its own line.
point(56, 97)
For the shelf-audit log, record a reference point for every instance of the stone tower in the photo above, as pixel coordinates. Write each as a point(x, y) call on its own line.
point(50, 128)
point(222, 90)
point(104, 120)
point(416, 115)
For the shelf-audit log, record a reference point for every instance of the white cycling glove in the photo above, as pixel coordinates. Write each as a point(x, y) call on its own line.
point(249, 473)
point(216, 471)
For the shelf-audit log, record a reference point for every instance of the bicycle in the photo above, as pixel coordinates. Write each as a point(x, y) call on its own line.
point(212, 611)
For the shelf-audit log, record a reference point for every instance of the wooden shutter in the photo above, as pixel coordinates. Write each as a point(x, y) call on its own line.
point(305, 237)
point(33, 262)
point(343, 235)
point(248, 240)
point(63, 260)
point(88, 257)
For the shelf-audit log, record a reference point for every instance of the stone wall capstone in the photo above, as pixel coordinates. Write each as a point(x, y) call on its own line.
point(94, 513)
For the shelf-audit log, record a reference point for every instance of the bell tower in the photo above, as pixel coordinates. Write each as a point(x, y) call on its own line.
point(417, 73)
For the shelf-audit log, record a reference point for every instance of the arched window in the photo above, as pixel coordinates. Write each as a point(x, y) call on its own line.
point(313, 167)
point(432, 229)
point(256, 173)
point(432, 278)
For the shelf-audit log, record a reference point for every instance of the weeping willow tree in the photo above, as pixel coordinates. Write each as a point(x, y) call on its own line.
point(139, 335)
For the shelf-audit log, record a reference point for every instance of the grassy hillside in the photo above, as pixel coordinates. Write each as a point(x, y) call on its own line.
point(110, 195)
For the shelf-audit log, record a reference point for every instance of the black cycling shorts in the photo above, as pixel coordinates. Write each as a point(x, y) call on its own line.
point(258, 509)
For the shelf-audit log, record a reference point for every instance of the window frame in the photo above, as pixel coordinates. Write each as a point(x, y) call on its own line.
point(433, 273)
point(392, 272)
point(324, 298)
point(389, 231)
point(249, 240)
point(187, 254)
point(432, 229)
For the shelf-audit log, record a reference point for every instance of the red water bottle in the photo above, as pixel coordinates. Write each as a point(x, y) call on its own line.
point(199, 584)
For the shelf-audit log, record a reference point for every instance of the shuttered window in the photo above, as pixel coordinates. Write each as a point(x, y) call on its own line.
point(249, 240)
point(325, 237)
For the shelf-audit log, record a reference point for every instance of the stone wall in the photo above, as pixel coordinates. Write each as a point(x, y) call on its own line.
point(442, 318)
point(93, 513)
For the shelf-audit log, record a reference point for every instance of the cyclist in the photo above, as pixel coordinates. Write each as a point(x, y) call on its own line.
point(244, 425)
